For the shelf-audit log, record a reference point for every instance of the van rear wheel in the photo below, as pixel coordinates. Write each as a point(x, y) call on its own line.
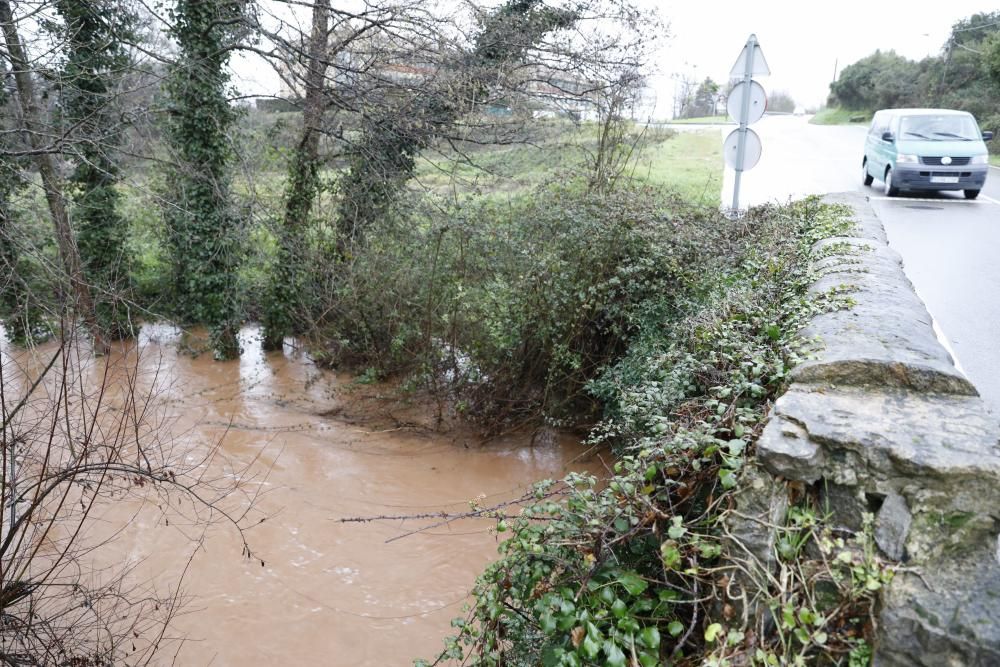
point(890, 189)
point(971, 194)
point(866, 178)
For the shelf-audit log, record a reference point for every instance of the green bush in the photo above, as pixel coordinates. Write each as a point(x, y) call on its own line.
point(992, 123)
point(965, 75)
point(515, 306)
point(634, 572)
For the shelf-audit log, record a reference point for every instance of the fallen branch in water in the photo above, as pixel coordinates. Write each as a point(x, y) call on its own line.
point(477, 512)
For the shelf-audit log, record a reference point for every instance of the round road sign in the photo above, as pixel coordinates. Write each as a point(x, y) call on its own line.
point(758, 102)
point(751, 154)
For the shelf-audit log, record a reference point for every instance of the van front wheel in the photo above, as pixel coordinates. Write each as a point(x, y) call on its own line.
point(866, 178)
point(971, 194)
point(890, 189)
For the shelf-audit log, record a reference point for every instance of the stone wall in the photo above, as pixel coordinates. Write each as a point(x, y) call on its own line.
point(881, 421)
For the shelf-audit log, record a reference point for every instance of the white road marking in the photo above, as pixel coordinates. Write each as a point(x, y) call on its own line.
point(947, 346)
point(936, 201)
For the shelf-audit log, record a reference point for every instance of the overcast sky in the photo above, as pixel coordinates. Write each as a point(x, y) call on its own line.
point(801, 40)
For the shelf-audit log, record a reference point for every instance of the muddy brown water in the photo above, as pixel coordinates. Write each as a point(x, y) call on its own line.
point(327, 593)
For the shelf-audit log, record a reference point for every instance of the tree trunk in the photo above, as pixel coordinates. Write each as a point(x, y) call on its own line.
point(303, 190)
point(32, 119)
point(303, 184)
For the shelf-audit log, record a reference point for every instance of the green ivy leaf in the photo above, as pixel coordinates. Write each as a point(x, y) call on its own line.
point(547, 622)
point(671, 555)
point(615, 656)
point(633, 583)
point(712, 631)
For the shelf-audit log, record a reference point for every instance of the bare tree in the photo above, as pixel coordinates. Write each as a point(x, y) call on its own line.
point(81, 434)
point(618, 141)
point(35, 127)
point(381, 86)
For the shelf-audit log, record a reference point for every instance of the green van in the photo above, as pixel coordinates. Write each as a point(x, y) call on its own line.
point(926, 149)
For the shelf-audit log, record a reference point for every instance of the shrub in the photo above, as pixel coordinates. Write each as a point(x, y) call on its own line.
point(637, 572)
point(513, 307)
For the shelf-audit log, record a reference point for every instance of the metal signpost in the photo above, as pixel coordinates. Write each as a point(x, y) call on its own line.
point(746, 105)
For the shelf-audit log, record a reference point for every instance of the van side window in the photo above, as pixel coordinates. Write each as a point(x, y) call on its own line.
point(876, 123)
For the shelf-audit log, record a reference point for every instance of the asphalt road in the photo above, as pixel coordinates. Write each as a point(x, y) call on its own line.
point(950, 246)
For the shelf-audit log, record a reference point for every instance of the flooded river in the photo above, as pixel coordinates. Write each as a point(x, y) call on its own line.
point(318, 591)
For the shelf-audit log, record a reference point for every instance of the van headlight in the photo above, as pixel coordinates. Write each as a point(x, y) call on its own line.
point(912, 159)
point(980, 159)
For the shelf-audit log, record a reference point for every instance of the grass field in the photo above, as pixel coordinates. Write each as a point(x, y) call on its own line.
point(687, 162)
point(704, 120)
point(690, 163)
point(838, 116)
point(995, 160)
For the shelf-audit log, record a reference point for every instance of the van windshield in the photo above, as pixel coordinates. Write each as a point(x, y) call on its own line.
point(939, 128)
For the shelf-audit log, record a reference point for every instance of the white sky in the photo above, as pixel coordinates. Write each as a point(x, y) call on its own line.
point(801, 40)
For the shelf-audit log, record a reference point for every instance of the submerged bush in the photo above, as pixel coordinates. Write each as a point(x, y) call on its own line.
point(512, 307)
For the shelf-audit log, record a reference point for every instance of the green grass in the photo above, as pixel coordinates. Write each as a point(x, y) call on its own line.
point(839, 116)
point(995, 160)
point(687, 162)
point(690, 163)
point(715, 120)
point(498, 169)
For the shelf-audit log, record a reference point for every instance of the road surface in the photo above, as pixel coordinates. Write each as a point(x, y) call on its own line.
point(949, 244)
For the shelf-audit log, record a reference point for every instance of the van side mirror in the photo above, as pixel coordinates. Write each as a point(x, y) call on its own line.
point(887, 136)
point(987, 135)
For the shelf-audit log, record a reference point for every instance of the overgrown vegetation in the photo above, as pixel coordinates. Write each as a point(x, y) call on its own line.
point(840, 116)
point(95, 64)
point(515, 305)
point(644, 569)
point(420, 219)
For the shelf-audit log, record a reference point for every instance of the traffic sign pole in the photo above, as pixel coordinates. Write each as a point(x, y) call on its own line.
point(747, 103)
point(751, 52)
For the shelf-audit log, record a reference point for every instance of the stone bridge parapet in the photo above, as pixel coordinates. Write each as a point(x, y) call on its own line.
point(881, 421)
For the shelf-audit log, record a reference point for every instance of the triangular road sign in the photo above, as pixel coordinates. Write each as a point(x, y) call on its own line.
point(760, 67)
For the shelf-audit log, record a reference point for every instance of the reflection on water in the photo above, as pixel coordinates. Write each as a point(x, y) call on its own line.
point(322, 592)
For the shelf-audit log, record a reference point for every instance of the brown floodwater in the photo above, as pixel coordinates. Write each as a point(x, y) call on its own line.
point(312, 447)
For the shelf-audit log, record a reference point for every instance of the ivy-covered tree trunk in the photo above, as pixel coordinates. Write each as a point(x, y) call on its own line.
point(24, 321)
point(33, 124)
point(95, 61)
point(384, 159)
point(288, 279)
point(203, 228)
